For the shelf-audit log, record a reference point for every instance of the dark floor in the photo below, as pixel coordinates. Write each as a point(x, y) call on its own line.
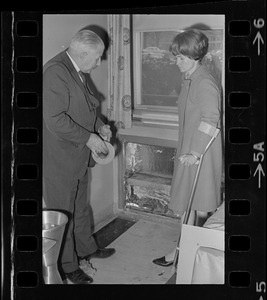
point(113, 230)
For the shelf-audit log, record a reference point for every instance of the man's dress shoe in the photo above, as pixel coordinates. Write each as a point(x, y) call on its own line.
point(99, 253)
point(79, 277)
point(162, 262)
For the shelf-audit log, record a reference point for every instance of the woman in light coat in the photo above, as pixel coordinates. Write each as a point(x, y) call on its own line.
point(199, 116)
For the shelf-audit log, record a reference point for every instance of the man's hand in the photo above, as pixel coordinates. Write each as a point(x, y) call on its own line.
point(105, 132)
point(96, 144)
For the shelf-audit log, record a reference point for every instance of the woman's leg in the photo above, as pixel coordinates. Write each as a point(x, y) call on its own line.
point(201, 218)
point(191, 221)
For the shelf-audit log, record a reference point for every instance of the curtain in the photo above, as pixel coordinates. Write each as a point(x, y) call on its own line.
point(119, 84)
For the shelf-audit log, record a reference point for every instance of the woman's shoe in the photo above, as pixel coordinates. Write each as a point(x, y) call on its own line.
point(162, 262)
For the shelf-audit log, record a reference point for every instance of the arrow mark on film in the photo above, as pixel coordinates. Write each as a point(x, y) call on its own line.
point(258, 38)
point(261, 172)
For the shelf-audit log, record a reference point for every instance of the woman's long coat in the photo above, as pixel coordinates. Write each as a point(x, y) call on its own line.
point(199, 116)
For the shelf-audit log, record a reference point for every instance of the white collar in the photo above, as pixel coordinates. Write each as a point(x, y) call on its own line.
point(74, 63)
point(196, 66)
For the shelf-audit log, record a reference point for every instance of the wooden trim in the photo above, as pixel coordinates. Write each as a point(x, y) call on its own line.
point(145, 140)
point(121, 172)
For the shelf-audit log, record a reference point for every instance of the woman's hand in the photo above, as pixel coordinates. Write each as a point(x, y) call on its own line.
point(188, 159)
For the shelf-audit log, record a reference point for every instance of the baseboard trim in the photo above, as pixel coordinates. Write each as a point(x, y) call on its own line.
point(103, 223)
point(136, 215)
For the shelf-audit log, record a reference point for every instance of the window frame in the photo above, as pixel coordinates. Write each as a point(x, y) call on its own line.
point(162, 115)
point(158, 115)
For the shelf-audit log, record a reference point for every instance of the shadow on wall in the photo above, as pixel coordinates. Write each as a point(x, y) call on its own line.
point(103, 34)
point(199, 26)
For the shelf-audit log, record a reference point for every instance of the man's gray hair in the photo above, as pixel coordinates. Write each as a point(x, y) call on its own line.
point(84, 38)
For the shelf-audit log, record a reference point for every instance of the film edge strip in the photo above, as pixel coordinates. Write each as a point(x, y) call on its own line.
point(27, 102)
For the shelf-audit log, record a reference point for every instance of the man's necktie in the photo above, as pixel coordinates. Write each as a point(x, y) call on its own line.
point(84, 82)
point(82, 77)
point(92, 99)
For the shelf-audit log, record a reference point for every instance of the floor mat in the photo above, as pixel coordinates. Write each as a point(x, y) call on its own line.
point(135, 250)
point(112, 231)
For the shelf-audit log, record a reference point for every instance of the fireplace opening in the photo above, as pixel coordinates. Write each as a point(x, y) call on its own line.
point(148, 175)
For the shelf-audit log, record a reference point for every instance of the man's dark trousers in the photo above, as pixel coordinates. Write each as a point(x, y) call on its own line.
point(72, 198)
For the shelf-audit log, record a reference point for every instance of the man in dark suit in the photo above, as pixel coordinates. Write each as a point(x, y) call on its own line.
point(71, 131)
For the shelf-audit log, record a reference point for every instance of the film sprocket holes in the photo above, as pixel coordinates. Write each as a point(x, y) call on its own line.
point(249, 221)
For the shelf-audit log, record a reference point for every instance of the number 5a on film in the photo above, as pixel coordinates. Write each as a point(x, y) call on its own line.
point(258, 157)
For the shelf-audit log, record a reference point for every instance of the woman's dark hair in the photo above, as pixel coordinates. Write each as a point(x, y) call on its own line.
point(191, 43)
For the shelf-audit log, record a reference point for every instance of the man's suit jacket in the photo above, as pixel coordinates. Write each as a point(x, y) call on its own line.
point(69, 117)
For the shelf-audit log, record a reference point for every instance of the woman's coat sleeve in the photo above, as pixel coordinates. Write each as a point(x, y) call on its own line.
point(208, 99)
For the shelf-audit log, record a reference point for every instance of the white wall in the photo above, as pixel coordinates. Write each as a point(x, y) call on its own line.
point(58, 30)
